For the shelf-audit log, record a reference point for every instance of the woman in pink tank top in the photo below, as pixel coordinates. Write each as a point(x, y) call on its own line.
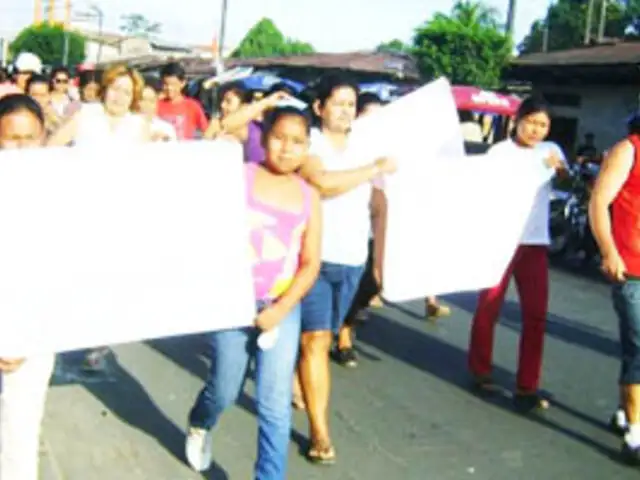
point(285, 250)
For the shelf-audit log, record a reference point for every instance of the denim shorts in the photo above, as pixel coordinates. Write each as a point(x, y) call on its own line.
point(626, 302)
point(327, 303)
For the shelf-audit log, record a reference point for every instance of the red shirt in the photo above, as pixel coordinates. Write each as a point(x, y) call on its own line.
point(186, 115)
point(625, 215)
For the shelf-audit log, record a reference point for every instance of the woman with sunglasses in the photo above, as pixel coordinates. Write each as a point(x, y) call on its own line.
point(60, 97)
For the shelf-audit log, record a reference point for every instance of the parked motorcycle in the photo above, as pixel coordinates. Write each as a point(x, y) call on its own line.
point(571, 237)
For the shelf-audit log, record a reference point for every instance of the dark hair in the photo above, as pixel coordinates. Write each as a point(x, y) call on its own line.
point(633, 124)
point(368, 98)
point(19, 102)
point(58, 70)
point(173, 69)
point(329, 83)
point(35, 79)
point(153, 82)
point(281, 87)
point(532, 105)
point(273, 116)
point(238, 89)
point(87, 77)
point(4, 75)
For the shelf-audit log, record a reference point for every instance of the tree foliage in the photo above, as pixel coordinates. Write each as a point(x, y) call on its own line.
point(137, 25)
point(467, 46)
point(567, 21)
point(394, 46)
point(48, 42)
point(264, 39)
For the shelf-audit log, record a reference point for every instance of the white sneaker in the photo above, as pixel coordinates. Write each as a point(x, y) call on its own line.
point(198, 449)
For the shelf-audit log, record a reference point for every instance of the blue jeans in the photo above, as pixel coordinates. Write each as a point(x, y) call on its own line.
point(626, 302)
point(329, 300)
point(231, 352)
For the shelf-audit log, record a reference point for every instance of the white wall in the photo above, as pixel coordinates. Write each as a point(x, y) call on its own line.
point(603, 110)
point(109, 52)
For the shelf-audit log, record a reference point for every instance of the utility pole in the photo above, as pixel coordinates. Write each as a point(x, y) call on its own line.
point(51, 14)
point(545, 32)
point(37, 12)
point(587, 29)
point(94, 13)
point(603, 20)
point(511, 16)
point(223, 28)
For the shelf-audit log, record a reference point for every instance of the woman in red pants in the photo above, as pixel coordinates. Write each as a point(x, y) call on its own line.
point(529, 267)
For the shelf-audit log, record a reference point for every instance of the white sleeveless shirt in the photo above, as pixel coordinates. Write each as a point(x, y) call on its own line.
point(95, 127)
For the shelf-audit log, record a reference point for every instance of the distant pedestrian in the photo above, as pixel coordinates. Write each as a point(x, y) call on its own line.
point(185, 114)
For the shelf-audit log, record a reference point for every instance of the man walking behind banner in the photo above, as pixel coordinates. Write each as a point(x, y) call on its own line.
point(614, 213)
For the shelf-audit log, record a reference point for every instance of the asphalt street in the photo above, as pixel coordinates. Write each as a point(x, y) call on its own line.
point(404, 413)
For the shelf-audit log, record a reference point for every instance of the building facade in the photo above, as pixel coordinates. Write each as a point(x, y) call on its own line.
point(591, 90)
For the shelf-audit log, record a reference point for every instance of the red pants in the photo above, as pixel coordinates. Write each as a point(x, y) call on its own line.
point(530, 269)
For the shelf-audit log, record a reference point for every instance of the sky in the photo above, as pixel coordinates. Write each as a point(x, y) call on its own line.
point(329, 25)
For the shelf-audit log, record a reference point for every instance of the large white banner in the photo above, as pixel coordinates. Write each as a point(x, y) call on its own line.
point(108, 246)
point(454, 221)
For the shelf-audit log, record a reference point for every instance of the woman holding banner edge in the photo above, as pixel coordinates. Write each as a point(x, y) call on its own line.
point(529, 267)
point(23, 382)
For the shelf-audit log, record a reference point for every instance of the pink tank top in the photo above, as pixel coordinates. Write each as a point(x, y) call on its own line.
point(276, 240)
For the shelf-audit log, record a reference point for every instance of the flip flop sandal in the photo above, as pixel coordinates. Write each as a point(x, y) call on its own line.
point(322, 456)
point(530, 403)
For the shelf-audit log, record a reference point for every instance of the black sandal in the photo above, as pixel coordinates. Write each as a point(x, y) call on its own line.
point(322, 455)
point(484, 385)
point(530, 403)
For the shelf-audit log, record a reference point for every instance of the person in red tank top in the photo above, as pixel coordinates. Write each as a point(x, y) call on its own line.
point(614, 214)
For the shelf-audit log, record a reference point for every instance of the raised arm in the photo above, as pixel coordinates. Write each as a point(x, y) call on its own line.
point(335, 183)
point(237, 120)
point(66, 133)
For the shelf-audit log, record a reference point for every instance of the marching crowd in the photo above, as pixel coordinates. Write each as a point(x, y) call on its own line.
point(318, 217)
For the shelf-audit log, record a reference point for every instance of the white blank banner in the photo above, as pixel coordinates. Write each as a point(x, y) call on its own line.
point(454, 221)
point(101, 247)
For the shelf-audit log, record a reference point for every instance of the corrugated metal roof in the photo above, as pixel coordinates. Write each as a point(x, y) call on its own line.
point(614, 53)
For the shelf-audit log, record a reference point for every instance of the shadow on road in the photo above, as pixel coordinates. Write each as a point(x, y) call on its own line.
point(189, 353)
point(449, 363)
point(127, 399)
point(565, 329)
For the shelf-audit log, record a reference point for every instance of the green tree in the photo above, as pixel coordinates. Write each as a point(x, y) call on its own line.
point(567, 21)
point(467, 46)
point(137, 25)
point(264, 39)
point(393, 46)
point(48, 42)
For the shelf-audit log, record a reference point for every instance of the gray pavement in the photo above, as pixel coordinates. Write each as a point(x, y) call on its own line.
point(405, 413)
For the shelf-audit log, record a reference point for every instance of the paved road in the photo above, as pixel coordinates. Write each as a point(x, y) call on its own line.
point(404, 413)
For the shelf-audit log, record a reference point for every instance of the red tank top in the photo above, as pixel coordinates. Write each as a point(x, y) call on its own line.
point(625, 215)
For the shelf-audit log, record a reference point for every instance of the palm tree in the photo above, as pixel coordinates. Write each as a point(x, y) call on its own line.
point(470, 13)
point(137, 25)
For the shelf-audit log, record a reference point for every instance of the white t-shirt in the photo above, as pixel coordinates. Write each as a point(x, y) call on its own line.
point(536, 231)
point(346, 218)
point(94, 127)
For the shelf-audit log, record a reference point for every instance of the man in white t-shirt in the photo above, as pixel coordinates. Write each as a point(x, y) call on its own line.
point(345, 183)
